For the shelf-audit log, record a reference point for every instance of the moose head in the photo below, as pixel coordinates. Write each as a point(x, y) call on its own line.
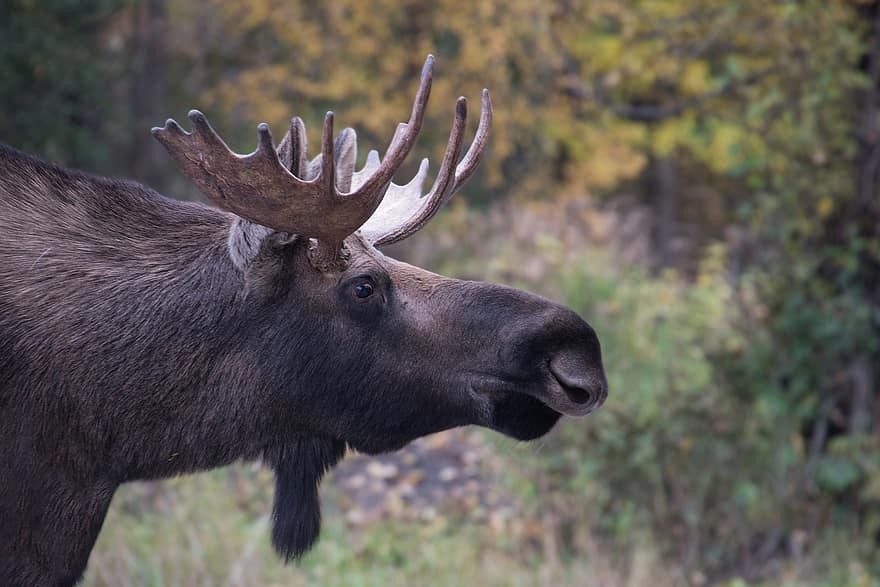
point(172, 337)
point(370, 351)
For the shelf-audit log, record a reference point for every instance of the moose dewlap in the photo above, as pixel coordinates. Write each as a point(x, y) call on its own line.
point(142, 337)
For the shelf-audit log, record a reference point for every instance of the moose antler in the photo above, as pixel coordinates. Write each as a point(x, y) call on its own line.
point(282, 191)
point(404, 210)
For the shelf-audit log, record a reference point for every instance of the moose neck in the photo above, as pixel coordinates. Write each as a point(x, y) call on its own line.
point(183, 355)
point(172, 383)
point(122, 356)
point(158, 306)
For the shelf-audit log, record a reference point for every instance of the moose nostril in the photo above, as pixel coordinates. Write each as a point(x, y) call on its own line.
point(577, 394)
point(575, 389)
point(581, 382)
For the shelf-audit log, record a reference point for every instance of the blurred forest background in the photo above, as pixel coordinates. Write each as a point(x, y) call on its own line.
point(699, 179)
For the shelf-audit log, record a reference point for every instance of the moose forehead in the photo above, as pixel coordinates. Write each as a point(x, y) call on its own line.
point(410, 284)
point(368, 260)
point(364, 257)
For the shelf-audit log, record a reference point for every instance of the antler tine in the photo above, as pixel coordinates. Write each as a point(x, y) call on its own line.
point(345, 156)
point(293, 147)
point(328, 162)
point(202, 127)
point(445, 180)
point(375, 185)
point(446, 175)
point(408, 202)
point(265, 145)
point(475, 152)
point(174, 133)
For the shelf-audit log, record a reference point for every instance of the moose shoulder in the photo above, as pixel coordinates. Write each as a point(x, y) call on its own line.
point(142, 337)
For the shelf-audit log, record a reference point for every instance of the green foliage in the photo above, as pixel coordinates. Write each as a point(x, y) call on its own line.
point(705, 443)
point(731, 449)
point(213, 529)
point(53, 78)
point(679, 449)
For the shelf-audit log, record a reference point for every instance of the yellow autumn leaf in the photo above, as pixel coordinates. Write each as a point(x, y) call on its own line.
point(666, 137)
point(725, 148)
point(607, 52)
point(825, 207)
point(696, 79)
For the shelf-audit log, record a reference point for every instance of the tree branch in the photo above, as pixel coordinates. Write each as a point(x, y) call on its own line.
point(577, 87)
point(868, 139)
point(658, 112)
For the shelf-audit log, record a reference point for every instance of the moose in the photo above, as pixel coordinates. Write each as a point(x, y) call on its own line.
point(143, 337)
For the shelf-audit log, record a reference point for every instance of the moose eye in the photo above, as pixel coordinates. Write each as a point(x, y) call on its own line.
point(362, 290)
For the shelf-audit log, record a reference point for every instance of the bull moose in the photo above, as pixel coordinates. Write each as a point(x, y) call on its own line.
point(143, 337)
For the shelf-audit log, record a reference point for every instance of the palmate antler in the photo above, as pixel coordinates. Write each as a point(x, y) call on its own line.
point(281, 191)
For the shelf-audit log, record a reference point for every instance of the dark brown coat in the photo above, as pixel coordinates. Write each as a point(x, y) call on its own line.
point(132, 347)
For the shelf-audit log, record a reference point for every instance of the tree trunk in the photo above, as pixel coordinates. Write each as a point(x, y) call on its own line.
point(862, 377)
point(865, 212)
point(869, 126)
point(664, 194)
point(146, 160)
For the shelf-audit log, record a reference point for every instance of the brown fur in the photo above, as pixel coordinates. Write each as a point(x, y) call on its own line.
point(131, 347)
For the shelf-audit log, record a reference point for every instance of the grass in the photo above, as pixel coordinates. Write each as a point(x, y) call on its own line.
point(212, 529)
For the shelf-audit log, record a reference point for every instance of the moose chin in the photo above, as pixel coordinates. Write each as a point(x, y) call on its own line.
point(142, 337)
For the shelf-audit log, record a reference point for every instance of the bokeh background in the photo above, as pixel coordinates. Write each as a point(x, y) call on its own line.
point(699, 179)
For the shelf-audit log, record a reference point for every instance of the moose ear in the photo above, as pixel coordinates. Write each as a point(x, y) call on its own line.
point(252, 245)
point(296, 513)
point(245, 240)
